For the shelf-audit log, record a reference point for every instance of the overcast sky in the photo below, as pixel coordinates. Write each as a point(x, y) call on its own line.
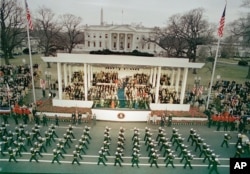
point(148, 12)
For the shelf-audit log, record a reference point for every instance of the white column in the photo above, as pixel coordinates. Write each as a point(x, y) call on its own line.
point(183, 87)
point(65, 74)
point(89, 83)
point(151, 76)
point(125, 41)
point(133, 37)
point(157, 85)
point(91, 74)
point(110, 41)
point(154, 77)
point(85, 82)
point(172, 77)
point(59, 74)
point(117, 42)
point(177, 80)
point(70, 73)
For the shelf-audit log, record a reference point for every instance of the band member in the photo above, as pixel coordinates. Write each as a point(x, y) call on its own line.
point(227, 137)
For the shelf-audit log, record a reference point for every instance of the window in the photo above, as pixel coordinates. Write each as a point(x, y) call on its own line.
point(128, 37)
point(148, 46)
point(106, 36)
point(94, 43)
point(114, 44)
point(88, 43)
point(100, 36)
point(128, 45)
point(100, 44)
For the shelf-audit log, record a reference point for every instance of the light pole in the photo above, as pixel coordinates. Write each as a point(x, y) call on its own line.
point(48, 78)
point(197, 84)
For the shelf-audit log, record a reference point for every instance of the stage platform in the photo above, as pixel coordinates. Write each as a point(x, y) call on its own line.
point(123, 114)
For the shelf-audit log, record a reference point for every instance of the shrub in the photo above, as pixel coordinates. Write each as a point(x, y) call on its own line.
point(243, 63)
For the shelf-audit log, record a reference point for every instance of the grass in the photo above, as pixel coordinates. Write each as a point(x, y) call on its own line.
point(228, 71)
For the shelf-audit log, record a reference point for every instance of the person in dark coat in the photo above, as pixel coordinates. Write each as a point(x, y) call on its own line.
point(56, 120)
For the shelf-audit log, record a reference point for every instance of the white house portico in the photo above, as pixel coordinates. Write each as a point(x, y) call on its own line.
point(177, 68)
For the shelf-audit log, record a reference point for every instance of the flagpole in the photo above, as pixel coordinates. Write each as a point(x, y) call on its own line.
point(212, 77)
point(31, 64)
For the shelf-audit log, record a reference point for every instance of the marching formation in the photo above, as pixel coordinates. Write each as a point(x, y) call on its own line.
point(158, 145)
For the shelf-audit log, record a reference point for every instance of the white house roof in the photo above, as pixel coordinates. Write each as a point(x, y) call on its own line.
point(122, 28)
point(105, 60)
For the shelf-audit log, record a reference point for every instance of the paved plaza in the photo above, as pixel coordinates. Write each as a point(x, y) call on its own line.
point(89, 162)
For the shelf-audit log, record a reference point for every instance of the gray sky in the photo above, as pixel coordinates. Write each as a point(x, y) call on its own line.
point(148, 12)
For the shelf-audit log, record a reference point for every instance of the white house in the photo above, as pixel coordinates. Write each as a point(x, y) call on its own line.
point(121, 38)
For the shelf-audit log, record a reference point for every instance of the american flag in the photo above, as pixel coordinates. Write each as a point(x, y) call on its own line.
point(222, 23)
point(28, 16)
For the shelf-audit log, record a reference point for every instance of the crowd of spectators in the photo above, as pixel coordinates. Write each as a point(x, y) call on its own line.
point(230, 106)
point(14, 84)
point(105, 86)
point(75, 89)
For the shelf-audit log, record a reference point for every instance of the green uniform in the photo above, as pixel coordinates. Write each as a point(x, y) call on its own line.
point(101, 159)
point(227, 137)
point(214, 166)
point(75, 158)
point(135, 160)
point(154, 161)
point(55, 157)
point(170, 160)
point(33, 156)
point(12, 156)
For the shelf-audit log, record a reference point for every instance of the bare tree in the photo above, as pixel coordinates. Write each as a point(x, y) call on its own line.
point(12, 27)
point(73, 31)
point(246, 3)
point(167, 39)
point(184, 33)
point(48, 31)
point(240, 29)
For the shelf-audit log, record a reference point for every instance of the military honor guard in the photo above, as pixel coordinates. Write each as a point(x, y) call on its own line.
point(101, 158)
point(169, 160)
point(135, 159)
point(118, 159)
point(11, 154)
point(238, 152)
point(214, 167)
point(75, 158)
point(204, 148)
point(154, 160)
point(239, 140)
point(55, 157)
point(191, 135)
point(86, 132)
point(33, 155)
point(45, 120)
point(188, 161)
point(227, 137)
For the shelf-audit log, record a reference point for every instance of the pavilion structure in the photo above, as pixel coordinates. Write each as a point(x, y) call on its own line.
point(177, 68)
